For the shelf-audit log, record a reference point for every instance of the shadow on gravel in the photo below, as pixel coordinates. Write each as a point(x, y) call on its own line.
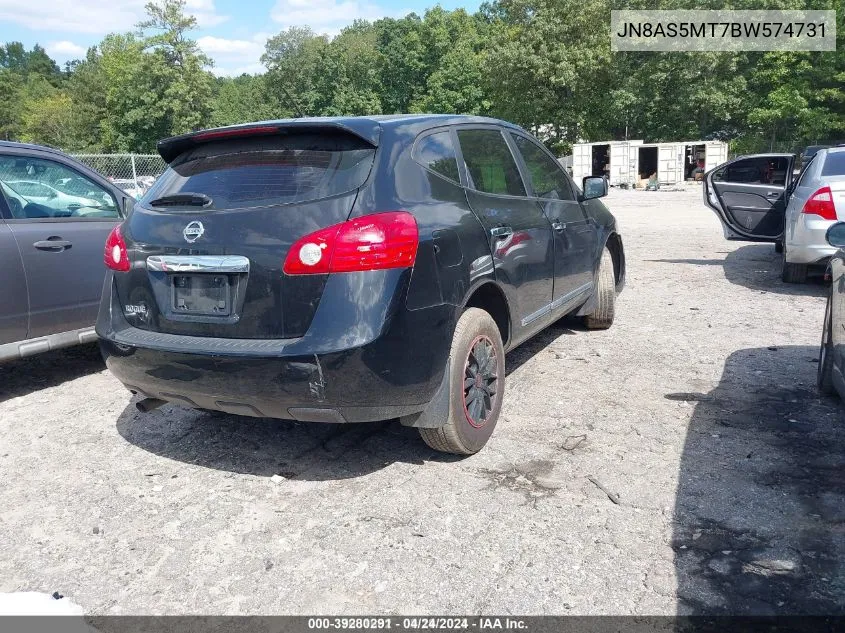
point(294, 450)
point(757, 266)
point(533, 346)
point(760, 509)
point(264, 447)
point(22, 377)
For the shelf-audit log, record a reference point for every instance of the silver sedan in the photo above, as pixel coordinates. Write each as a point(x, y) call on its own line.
point(758, 199)
point(816, 202)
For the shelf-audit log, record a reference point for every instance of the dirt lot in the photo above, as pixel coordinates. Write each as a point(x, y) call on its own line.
point(698, 409)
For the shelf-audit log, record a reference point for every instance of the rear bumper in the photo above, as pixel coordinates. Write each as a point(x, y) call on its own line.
point(805, 240)
point(341, 387)
point(375, 373)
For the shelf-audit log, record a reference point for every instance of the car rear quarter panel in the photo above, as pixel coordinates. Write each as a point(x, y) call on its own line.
point(453, 254)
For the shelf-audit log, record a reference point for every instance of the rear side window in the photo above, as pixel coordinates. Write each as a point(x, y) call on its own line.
point(834, 164)
point(242, 174)
point(437, 153)
point(489, 162)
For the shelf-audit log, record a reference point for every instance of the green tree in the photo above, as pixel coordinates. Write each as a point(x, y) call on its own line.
point(178, 61)
point(242, 99)
point(402, 70)
point(11, 85)
point(549, 63)
point(455, 83)
point(87, 85)
point(47, 118)
point(295, 60)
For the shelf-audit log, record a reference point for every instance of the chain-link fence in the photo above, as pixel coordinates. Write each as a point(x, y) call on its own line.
point(134, 173)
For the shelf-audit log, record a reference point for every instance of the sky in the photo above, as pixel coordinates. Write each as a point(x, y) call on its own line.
point(231, 32)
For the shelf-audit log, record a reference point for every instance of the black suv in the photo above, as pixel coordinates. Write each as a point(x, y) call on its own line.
point(352, 270)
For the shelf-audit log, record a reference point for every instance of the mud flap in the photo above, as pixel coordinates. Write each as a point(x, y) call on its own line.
point(590, 306)
point(436, 412)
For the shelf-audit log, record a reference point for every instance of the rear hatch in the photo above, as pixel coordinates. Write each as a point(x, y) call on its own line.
point(207, 242)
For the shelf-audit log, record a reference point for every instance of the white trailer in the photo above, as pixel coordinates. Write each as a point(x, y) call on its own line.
point(632, 162)
point(680, 161)
point(715, 153)
point(615, 159)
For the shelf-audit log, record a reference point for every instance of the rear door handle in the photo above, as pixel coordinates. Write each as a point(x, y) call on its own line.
point(500, 232)
point(558, 226)
point(55, 244)
point(774, 195)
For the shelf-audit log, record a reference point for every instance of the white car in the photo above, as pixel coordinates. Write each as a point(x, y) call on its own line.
point(134, 189)
point(47, 196)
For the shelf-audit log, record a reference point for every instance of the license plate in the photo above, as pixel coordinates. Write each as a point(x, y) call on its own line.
point(206, 294)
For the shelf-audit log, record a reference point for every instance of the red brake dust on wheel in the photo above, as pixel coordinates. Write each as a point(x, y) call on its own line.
point(480, 381)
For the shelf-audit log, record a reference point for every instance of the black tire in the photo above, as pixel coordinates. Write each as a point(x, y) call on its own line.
point(473, 409)
point(605, 292)
point(778, 247)
point(824, 377)
point(793, 273)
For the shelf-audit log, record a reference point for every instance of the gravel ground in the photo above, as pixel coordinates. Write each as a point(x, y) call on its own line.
point(681, 462)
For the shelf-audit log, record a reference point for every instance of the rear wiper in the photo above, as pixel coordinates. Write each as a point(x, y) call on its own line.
point(182, 200)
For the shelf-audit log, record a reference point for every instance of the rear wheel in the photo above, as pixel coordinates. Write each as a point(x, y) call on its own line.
point(602, 317)
point(793, 273)
point(825, 369)
point(477, 386)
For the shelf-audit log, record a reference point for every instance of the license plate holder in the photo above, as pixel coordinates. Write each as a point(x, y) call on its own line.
point(205, 294)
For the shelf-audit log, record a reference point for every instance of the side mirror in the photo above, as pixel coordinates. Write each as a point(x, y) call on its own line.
point(835, 235)
point(594, 187)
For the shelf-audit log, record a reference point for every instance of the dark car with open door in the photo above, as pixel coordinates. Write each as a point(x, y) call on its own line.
point(353, 269)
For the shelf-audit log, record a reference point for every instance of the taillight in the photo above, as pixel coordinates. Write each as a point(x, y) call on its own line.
point(115, 255)
point(371, 242)
point(821, 203)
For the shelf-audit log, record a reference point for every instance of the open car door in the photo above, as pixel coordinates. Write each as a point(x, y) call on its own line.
point(749, 194)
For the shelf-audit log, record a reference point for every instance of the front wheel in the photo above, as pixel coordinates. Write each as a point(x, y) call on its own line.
point(825, 369)
point(476, 386)
point(605, 292)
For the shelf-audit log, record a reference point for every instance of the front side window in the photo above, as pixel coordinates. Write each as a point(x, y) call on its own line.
point(547, 179)
point(489, 162)
point(38, 188)
point(437, 153)
point(757, 170)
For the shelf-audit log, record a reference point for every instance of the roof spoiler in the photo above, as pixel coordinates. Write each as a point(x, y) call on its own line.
point(365, 129)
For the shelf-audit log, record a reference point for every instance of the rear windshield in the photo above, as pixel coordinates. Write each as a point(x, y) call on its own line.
point(243, 174)
point(834, 164)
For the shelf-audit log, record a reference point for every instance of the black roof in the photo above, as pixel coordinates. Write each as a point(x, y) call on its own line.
point(368, 128)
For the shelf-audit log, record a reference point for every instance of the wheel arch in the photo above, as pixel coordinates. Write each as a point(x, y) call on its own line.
point(613, 243)
point(488, 296)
